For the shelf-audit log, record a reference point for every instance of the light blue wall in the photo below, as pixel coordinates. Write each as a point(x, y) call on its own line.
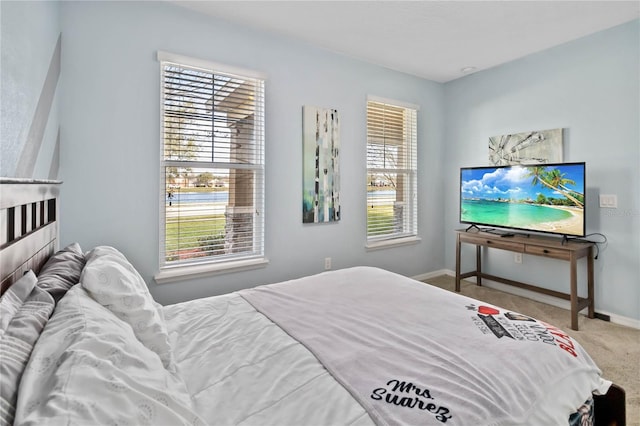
point(110, 128)
point(29, 70)
point(111, 136)
point(589, 87)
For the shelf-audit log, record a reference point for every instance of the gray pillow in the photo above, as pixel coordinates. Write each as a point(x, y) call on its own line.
point(62, 271)
point(16, 344)
point(14, 298)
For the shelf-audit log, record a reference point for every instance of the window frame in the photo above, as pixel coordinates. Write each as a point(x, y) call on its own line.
point(409, 233)
point(197, 267)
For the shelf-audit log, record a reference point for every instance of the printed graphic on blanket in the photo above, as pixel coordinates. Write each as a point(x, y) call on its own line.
point(406, 394)
point(519, 327)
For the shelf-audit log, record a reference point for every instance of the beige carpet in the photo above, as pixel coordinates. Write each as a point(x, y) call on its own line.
point(614, 348)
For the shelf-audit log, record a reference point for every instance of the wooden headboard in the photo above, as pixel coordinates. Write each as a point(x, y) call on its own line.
point(28, 226)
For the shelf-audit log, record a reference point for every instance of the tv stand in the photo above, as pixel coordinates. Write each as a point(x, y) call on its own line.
point(496, 232)
point(537, 246)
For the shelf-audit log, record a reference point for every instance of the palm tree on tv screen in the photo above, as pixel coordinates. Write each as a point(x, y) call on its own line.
point(555, 180)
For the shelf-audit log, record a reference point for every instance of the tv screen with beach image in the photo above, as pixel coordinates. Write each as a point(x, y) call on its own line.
point(544, 197)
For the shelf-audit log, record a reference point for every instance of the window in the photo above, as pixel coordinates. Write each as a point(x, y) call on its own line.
point(212, 164)
point(391, 171)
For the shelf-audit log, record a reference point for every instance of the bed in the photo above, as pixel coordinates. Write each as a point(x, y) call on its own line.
point(83, 342)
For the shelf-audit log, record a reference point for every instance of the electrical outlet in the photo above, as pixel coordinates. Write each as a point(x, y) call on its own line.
point(609, 201)
point(517, 257)
point(327, 263)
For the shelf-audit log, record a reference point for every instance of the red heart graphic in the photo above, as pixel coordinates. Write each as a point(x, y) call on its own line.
point(488, 310)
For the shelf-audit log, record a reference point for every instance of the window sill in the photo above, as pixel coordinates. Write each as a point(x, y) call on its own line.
point(396, 242)
point(179, 273)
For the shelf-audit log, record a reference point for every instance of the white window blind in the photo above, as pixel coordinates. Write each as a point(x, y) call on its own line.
point(212, 165)
point(391, 171)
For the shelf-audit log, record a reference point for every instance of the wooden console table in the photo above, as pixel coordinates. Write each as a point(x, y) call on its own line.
point(537, 246)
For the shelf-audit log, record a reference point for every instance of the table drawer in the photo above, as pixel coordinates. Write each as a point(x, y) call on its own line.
point(548, 252)
point(493, 242)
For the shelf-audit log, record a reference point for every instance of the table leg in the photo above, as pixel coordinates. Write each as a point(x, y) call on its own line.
point(458, 263)
point(590, 283)
point(478, 265)
point(574, 292)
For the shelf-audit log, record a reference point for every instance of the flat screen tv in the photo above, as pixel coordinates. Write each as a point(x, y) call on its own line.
point(548, 198)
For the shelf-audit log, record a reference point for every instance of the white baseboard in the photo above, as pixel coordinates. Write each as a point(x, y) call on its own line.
point(437, 273)
point(538, 297)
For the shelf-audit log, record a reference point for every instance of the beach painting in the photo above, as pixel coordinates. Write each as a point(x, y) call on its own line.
point(321, 166)
point(538, 198)
point(533, 147)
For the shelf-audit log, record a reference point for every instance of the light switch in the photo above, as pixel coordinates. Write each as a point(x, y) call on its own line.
point(609, 201)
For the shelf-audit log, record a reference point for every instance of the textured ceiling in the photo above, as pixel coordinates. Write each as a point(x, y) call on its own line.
point(429, 39)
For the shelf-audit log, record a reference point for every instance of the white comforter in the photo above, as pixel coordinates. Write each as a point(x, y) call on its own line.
point(88, 368)
point(242, 369)
point(228, 364)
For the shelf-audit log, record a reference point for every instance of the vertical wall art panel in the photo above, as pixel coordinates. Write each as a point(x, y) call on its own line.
point(535, 147)
point(320, 168)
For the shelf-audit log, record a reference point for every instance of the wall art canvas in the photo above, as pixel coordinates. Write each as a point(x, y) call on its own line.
point(321, 168)
point(534, 147)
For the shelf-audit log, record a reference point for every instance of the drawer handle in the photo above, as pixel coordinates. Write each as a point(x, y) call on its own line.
point(489, 242)
point(545, 251)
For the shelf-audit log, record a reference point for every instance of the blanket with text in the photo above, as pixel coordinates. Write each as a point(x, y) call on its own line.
point(411, 353)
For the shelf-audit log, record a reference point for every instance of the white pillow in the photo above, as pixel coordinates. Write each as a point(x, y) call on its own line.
point(14, 298)
point(113, 282)
point(89, 368)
